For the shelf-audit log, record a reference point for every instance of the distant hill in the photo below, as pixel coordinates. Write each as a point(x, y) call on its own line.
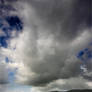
point(77, 90)
point(85, 90)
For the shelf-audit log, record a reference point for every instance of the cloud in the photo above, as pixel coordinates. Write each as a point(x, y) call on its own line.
point(63, 16)
point(54, 32)
point(3, 74)
point(47, 49)
point(8, 31)
point(66, 84)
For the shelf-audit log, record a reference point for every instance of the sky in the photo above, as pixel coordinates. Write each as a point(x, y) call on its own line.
point(45, 45)
point(15, 88)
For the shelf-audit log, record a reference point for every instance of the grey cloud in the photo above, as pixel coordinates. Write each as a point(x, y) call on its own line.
point(4, 88)
point(54, 38)
point(3, 74)
point(66, 84)
point(63, 16)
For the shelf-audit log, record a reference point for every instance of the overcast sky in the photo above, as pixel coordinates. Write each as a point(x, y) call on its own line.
point(43, 51)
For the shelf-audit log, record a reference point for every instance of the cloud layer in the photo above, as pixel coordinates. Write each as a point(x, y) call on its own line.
point(46, 51)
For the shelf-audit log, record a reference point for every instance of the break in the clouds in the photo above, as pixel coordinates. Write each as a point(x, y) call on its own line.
point(55, 31)
point(10, 26)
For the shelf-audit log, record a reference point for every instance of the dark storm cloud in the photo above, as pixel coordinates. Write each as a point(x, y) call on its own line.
point(69, 84)
point(53, 45)
point(64, 16)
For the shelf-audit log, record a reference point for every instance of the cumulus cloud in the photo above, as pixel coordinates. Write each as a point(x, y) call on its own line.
point(54, 32)
point(52, 38)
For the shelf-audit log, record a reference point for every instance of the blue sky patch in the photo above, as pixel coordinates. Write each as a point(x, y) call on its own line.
point(15, 22)
point(85, 56)
point(3, 41)
point(7, 60)
point(11, 74)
